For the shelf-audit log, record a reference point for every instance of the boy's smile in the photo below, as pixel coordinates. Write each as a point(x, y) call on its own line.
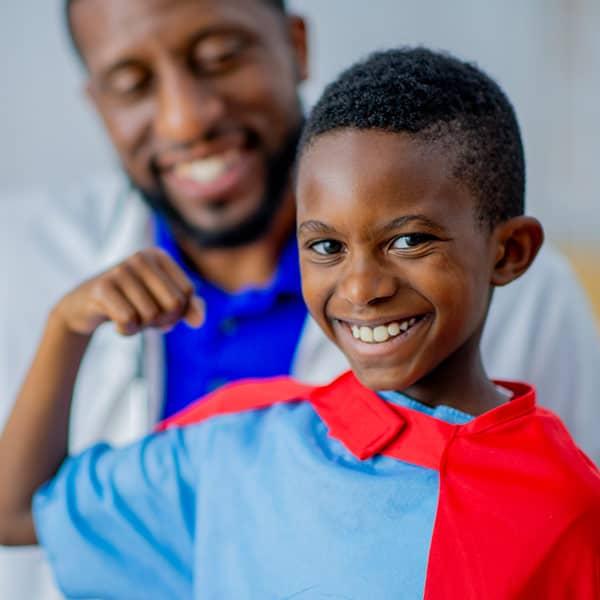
point(396, 268)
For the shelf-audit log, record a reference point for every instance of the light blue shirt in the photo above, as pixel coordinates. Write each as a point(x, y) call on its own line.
point(257, 505)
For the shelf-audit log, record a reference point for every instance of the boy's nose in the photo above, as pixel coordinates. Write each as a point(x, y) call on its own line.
point(187, 109)
point(366, 284)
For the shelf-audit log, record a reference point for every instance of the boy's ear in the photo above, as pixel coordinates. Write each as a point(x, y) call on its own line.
point(518, 241)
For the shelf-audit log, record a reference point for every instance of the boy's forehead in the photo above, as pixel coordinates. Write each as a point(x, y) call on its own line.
point(384, 171)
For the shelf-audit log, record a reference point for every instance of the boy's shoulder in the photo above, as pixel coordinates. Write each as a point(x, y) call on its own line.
point(239, 397)
point(520, 445)
point(514, 472)
point(549, 448)
point(527, 471)
point(528, 440)
point(523, 481)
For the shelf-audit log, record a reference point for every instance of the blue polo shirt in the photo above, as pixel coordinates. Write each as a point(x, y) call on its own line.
point(251, 333)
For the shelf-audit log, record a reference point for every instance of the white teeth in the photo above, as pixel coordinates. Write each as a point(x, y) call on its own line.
point(366, 334)
point(207, 169)
point(381, 333)
point(393, 329)
point(203, 171)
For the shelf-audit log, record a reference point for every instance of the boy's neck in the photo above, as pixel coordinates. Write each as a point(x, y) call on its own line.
point(460, 382)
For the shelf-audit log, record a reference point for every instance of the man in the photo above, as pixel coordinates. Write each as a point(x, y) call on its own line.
point(199, 98)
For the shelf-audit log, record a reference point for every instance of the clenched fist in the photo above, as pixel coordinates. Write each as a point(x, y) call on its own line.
point(147, 289)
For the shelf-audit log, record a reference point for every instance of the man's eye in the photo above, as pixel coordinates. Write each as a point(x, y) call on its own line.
point(128, 81)
point(411, 240)
point(327, 247)
point(218, 53)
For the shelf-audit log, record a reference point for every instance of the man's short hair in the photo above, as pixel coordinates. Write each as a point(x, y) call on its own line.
point(279, 5)
point(439, 99)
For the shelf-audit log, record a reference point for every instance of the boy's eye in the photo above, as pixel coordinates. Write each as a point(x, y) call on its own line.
point(327, 247)
point(411, 240)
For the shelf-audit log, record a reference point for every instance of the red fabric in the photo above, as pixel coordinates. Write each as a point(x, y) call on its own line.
point(357, 417)
point(518, 515)
point(519, 505)
point(249, 394)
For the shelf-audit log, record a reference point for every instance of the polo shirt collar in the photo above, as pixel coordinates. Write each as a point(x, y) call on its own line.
point(367, 425)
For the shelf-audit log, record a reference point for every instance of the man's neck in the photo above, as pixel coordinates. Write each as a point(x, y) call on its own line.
point(252, 265)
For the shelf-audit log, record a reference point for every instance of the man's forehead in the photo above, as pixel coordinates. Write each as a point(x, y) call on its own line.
point(109, 27)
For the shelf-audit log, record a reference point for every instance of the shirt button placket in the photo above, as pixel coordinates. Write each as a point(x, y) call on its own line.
point(229, 326)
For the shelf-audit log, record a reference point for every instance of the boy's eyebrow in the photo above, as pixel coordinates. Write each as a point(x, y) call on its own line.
point(406, 219)
point(320, 227)
point(315, 227)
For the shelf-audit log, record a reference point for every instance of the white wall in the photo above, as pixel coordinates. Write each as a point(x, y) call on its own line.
point(47, 133)
point(545, 53)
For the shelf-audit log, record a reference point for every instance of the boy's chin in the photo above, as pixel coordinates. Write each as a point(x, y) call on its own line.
point(382, 378)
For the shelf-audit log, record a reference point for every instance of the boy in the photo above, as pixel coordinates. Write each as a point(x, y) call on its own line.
point(410, 211)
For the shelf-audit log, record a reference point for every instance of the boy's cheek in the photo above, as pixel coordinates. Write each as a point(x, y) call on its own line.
point(313, 291)
point(317, 296)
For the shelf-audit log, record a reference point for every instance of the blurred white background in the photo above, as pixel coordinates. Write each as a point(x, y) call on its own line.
point(545, 53)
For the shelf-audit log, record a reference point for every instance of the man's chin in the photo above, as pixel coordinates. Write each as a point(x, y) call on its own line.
point(246, 230)
point(240, 233)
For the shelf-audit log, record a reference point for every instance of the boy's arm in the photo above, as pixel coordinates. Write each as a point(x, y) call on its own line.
point(146, 290)
point(34, 442)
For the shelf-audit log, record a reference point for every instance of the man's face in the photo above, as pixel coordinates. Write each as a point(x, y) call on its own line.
point(395, 268)
point(199, 98)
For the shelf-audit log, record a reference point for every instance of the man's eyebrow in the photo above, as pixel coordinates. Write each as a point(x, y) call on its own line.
point(191, 41)
point(315, 227)
point(222, 29)
point(126, 63)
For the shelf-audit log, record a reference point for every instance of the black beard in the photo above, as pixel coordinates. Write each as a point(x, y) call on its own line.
point(279, 168)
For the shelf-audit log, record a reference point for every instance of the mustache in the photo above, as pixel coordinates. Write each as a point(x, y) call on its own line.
point(175, 152)
point(278, 178)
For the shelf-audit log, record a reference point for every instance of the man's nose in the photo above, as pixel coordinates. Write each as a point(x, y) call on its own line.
point(187, 109)
point(366, 282)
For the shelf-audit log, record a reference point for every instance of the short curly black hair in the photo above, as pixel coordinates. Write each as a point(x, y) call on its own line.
point(440, 99)
point(279, 5)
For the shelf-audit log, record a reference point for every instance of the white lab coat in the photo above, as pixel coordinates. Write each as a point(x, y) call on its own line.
point(540, 329)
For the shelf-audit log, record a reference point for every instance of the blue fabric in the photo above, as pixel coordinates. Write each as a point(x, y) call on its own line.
point(442, 412)
point(262, 504)
point(253, 333)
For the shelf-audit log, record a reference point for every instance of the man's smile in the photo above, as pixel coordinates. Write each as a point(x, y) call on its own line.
point(209, 169)
point(212, 177)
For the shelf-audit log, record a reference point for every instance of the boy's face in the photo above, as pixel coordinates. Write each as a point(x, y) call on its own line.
point(395, 268)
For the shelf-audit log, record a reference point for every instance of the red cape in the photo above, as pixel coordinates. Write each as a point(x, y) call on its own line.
point(519, 504)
